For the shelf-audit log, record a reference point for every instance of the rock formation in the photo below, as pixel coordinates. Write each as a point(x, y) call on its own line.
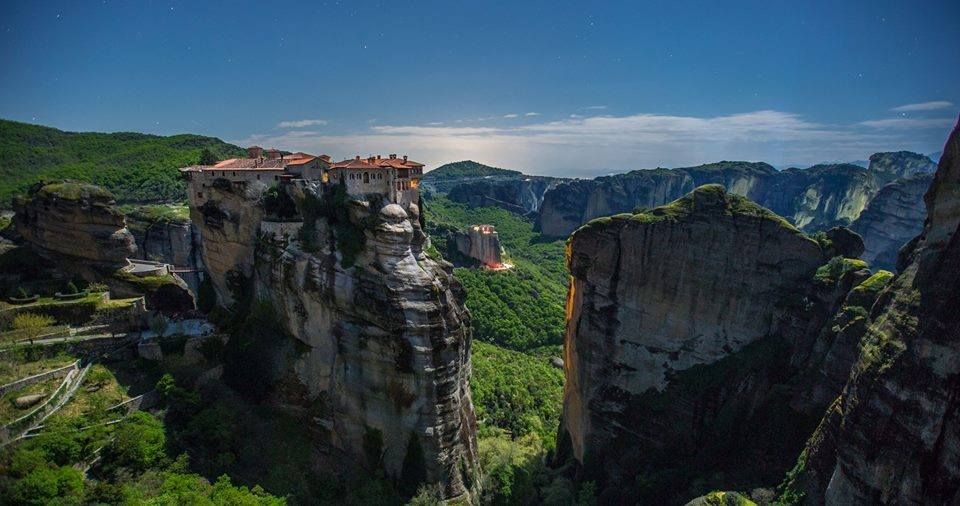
point(700, 341)
point(893, 217)
point(815, 198)
point(481, 243)
point(902, 163)
point(380, 346)
point(172, 242)
point(893, 436)
point(521, 195)
point(74, 220)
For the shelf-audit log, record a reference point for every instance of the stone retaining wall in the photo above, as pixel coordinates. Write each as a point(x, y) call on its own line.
point(37, 378)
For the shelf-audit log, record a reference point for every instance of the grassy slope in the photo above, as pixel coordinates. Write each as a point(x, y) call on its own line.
point(522, 308)
point(135, 167)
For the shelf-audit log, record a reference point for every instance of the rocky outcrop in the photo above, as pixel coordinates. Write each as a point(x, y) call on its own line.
point(893, 436)
point(697, 340)
point(379, 351)
point(172, 242)
point(481, 243)
point(522, 194)
point(893, 217)
point(902, 163)
point(817, 198)
point(74, 220)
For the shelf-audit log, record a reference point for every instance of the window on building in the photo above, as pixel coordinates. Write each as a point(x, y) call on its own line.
point(366, 178)
point(258, 177)
point(199, 195)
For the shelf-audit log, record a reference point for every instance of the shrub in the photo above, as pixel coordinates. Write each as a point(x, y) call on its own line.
point(139, 442)
point(98, 287)
point(44, 486)
point(22, 294)
point(72, 288)
point(32, 324)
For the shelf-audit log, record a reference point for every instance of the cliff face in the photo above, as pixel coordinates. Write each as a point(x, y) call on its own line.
point(382, 354)
point(902, 163)
point(521, 195)
point(481, 243)
point(697, 343)
point(813, 199)
point(893, 436)
point(173, 242)
point(893, 217)
point(76, 220)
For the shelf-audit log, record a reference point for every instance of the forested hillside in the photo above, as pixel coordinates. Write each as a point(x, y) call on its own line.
point(466, 168)
point(135, 167)
point(521, 308)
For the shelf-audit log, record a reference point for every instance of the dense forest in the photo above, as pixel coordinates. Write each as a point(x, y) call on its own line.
point(135, 167)
point(521, 308)
point(467, 168)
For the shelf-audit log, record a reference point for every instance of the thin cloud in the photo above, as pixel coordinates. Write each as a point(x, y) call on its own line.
point(510, 116)
point(933, 105)
point(301, 123)
point(909, 123)
point(531, 114)
point(595, 108)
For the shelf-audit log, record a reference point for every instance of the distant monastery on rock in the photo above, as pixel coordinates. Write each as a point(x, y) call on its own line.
point(396, 179)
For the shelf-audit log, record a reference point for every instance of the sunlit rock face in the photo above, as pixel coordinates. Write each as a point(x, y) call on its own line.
point(816, 198)
point(382, 336)
point(75, 220)
point(481, 243)
point(892, 218)
point(893, 436)
point(902, 163)
point(522, 194)
point(173, 243)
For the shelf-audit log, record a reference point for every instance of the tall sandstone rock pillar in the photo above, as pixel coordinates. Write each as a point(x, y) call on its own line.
point(893, 436)
point(681, 322)
point(379, 337)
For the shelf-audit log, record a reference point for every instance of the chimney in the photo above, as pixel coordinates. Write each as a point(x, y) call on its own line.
point(273, 153)
point(404, 158)
point(254, 151)
point(358, 158)
point(393, 156)
point(378, 157)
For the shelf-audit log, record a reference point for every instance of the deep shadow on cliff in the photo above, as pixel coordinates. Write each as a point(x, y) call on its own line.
point(704, 340)
point(893, 435)
point(340, 314)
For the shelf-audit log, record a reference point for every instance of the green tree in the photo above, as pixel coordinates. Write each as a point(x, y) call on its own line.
point(43, 486)
point(207, 157)
point(139, 442)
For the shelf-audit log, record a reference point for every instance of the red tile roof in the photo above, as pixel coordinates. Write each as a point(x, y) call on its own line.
point(300, 161)
point(251, 163)
point(376, 162)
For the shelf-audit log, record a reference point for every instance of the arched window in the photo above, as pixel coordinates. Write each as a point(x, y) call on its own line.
point(366, 178)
